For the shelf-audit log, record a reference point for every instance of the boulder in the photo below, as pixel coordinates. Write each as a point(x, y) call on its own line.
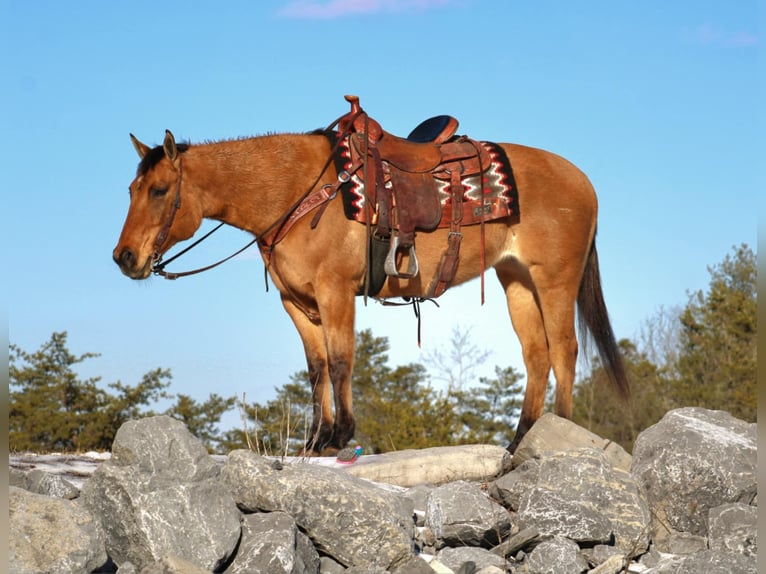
point(460, 514)
point(580, 495)
point(437, 465)
point(557, 555)
point(552, 433)
point(734, 527)
point(271, 542)
point(50, 535)
point(690, 462)
point(352, 520)
point(159, 496)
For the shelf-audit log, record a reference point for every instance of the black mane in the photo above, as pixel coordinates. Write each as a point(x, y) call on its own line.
point(154, 156)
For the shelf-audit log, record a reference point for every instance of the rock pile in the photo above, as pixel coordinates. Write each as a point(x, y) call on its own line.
point(569, 502)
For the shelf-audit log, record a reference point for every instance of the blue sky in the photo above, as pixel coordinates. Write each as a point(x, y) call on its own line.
point(655, 101)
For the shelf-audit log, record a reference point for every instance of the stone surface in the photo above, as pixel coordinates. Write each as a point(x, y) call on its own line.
point(734, 527)
point(552, 433)
point(160, 496)
point(437, 465)
point(354, 521)
point(578, 494)
point(460, 514)
point(50, 535)
point(558, 555)
point(173, 508)
point(457, 558)
point(691, 461)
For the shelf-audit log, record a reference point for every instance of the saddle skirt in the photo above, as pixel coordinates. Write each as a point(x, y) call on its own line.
point(488, 193)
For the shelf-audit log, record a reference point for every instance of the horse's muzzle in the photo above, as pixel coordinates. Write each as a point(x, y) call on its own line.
point(127, 261)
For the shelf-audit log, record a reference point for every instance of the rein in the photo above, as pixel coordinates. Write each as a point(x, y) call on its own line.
point(158, 265)
point(266, 241)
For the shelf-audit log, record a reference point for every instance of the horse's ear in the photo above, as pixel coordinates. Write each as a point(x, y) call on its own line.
point(141, 148)
point(169, 145)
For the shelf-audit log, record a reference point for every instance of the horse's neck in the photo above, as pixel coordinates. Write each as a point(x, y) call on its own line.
point(250, 183)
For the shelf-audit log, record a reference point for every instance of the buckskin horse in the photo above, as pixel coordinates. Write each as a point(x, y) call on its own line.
point(355, 210)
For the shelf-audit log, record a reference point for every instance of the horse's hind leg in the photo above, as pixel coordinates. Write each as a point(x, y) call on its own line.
point(312, 335)
point(527, 320)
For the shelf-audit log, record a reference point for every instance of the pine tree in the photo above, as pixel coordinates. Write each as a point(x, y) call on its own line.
point(53, 410)
point(598, 408)
point(718, 340)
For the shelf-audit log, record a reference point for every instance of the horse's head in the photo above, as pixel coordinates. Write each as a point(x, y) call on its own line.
point(162, 212)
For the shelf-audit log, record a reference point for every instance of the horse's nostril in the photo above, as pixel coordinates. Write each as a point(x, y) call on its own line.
point(126, 259)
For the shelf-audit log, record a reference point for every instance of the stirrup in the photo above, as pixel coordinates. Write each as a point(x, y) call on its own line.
point(390, 264)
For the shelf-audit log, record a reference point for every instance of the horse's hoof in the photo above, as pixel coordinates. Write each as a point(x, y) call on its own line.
point(329, 451)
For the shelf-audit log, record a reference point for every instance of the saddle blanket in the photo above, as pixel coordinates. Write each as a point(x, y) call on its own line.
point(501, 198)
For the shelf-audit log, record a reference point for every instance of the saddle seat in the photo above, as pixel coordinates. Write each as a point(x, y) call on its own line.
point(404, 177)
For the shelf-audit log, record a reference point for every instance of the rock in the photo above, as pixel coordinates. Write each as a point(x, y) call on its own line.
point(437, 465)
point(524, 539)
point(707, 562)
point(271, 542)
point(552, 433)
point(734, 527)
point(457, 558)
point(52, 536)
point(460, 514)
point(612, 565)
point(159, 496)
point(414, 565)
point(691, 461)
point(352, 520)
point(556, 556)
point(508, 489)
point(163, 506)
point(579, 495)
point(171, 565)
point(41, 482)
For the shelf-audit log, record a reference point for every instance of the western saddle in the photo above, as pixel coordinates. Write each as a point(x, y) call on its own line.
point(402, 178)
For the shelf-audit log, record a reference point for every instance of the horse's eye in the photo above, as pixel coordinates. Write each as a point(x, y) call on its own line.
point(158, 191)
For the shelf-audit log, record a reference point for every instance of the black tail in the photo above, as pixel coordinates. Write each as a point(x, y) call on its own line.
point(594, 319)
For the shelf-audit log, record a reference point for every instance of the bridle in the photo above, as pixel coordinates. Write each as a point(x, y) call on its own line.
point(274, 233)
point(158, 265)
point(162, 236)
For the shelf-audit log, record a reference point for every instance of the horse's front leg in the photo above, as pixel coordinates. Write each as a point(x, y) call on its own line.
point(337, 311)
point(312, 335)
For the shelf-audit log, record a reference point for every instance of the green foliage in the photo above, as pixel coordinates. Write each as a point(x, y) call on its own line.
point(598, 408)
point(53, 410)
point(703, 355)
point(395, 408)
point(488, 412)
point(718, 340)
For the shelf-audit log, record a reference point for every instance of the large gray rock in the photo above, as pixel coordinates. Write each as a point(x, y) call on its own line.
point(52, 536)
point(41, 482)
point(170, 565)
point(579, 495)
point(558, 555)
point(552, 433)
point(706, 562)
point(691, 461)
point(509, 489)
point(271, 542)
point(734, 527)
point(160, 496)
point(436, 465)
point(457, 558)
point(460, 514)
point(352, 520)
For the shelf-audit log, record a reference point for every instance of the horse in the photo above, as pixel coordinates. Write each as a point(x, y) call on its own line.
point(545, 258)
